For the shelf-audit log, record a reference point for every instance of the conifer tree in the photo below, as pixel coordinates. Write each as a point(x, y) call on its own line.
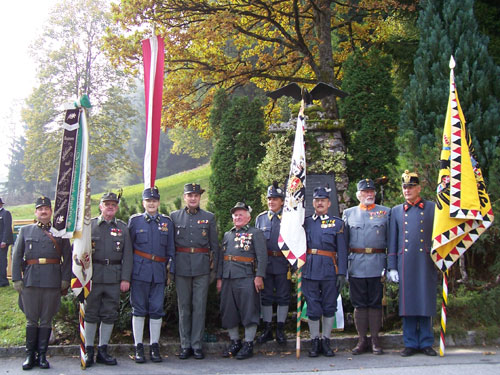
point(240, 128)
point(449, 28)
point(370, 113)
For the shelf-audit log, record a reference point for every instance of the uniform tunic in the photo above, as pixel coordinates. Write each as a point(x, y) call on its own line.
point(276, 283)
point(112, 263)
point(410, 243)
point(323, 233)
point(239, 299)
point(192, 276)
point(42, 280)
point(152, 236)
point(5, 237)
point(366, 227)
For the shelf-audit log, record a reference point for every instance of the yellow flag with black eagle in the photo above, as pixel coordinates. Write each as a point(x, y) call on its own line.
point(463, 210)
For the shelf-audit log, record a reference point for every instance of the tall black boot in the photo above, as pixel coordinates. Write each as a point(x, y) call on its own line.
point(43, 345)
point(266, 335)
point(31, 345)
point(280, 334)
point(89, 356)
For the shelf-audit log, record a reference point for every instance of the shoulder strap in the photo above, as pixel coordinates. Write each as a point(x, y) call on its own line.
point(54, 241)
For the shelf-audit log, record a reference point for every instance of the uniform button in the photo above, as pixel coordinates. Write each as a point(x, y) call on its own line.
point(406, 231)
point(422, 213)
point(421, 230)
point(406, 249)
point(421, 240)
point(421, 221)
point(406, 214)
point(406, 240)
point(421, 250)
point(406, 223)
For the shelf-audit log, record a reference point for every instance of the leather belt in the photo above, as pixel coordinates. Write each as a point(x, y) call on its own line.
point(331, 254)
point(106, 262)
point(274, 253)
point(43, 261)
point(238, 258)
point(367, 250)
point(192, 250)
point(152, 257)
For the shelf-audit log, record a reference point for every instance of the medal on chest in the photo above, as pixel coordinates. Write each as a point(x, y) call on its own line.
point(163, 227)
point(327, 223)
point(377, 214)
point(115, 232)
point(243, 241)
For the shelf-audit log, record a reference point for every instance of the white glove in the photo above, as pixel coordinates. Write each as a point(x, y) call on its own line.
point(393, 276)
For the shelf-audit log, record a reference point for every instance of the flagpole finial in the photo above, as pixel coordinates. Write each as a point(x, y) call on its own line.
point(452, 62)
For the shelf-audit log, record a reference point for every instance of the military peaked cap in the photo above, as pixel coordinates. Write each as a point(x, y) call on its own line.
point(43, 201)
point(193, 188)
point(366, 184)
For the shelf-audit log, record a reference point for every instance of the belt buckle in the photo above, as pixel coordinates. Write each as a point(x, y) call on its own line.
point(230, 257)
point(314, 251)
point(191, 250)
point(42, 260)
point(369, 250)
point(153, 257)
point(106, 262)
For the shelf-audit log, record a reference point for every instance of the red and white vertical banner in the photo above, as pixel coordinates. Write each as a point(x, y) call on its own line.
point(153, 50)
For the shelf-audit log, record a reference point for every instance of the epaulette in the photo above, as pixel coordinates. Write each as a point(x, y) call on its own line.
point(135, 215)
point(262, 213)
point(121, 221)
point(95, 218)
point(163, 215)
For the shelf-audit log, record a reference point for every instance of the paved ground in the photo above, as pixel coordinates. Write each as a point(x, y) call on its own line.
point(461, 361)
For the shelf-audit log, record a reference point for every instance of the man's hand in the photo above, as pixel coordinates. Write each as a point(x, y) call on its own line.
point(393, 276)
point(18, 286)
point(259, 283)
point(124, 286)
point(219, 285)
point(340, 282)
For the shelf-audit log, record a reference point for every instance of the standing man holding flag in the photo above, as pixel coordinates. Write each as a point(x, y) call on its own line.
point(324, 271)
point(463, 210)
point(410, 264)
point(112, 268)
point(277, 283)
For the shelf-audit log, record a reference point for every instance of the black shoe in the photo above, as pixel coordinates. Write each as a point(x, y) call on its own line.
point(154, 352)
point(103, 356)
point(246, 351)
point(407, 352)
point(185, 353)
point(233, 349)
point(198, 354)
point(315, 347)
point(89, 356)
point(429, 351)
point(325, 348)
point(266, 335)
point(280, 334)
point(139, 354)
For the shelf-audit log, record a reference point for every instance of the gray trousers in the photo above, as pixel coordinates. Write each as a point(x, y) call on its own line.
point(40, 305)
point(192, 302)
point(103, 303)
point(239, 302)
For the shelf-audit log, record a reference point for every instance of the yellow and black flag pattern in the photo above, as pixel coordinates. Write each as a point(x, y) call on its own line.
point(463, 209)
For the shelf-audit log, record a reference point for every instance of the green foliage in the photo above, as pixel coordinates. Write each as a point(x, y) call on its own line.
point(12, 321)
point(370, 115)
point(275, 165)
point(239, 126)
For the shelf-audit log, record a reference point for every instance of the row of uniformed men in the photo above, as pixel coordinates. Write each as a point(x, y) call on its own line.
point(135, 256)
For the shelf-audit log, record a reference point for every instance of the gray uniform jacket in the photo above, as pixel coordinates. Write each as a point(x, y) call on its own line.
point(33, 243)
point(249, 242)
point(110, 243)
point(6, 227)
point(410, 243)
point(367, 228)
point(197, 230)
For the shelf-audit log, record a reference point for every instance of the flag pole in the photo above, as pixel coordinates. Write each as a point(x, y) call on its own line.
point(299, 311)
point(442, 340)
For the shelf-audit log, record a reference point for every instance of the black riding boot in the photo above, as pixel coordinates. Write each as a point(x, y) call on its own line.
point(43, 345)
point(31, 345)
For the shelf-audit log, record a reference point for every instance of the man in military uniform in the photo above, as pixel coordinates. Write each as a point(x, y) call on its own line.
point(111, 271)
point(240, 272)
point(41, 269)
point(6, 240)
point(410, 264)
point(277, 282)
point(323, 274)
point(196, 243)
point(367, 231)
point(152, 237)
